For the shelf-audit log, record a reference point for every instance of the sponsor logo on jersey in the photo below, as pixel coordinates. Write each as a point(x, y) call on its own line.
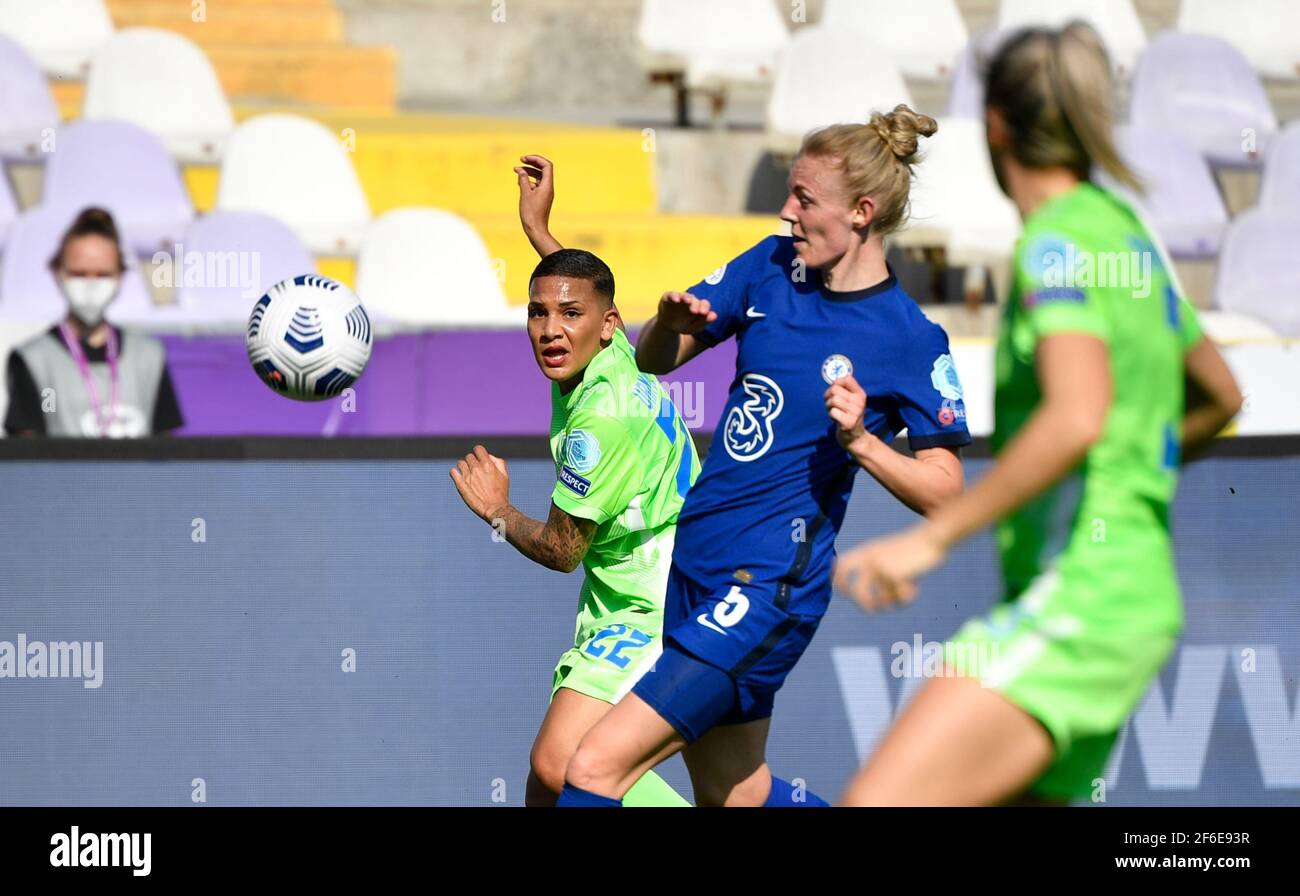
point(950, 412)
point(747, 431)
point(581, 451)
point(574, 483)
point(836, 367)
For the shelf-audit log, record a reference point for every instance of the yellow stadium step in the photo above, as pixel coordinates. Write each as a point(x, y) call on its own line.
point(318, 75)
point(649, 254)
point(271, 22)
point(209, 4)
point(68, 96)
point(463, 164)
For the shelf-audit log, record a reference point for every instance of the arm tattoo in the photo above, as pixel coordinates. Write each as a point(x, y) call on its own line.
point(559, 543)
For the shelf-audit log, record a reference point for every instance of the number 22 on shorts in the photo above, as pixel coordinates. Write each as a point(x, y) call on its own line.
point(727, 612)
point(634, 639)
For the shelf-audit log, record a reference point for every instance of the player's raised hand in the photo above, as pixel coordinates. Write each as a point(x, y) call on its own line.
point(846, 402)
point(483, 483)
point(684, 313)
point(883, 572)
point(536, 192)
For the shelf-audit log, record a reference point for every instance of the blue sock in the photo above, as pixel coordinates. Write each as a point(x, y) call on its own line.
point(575, 796)
point(784, 795)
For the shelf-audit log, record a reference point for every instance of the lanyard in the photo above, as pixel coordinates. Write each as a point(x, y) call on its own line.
point(74, 346)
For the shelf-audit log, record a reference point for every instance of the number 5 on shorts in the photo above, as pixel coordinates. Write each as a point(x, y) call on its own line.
point(727, 612)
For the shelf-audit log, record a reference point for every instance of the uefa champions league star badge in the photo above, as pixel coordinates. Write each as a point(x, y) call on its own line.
point(836, 367)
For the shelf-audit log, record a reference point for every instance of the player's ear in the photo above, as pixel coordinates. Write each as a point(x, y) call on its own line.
point(996, 129)
point(612, 321)
point(864, 213)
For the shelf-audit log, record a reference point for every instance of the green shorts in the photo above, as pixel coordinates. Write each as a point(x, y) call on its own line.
point(1079, 673)
point(610, 656)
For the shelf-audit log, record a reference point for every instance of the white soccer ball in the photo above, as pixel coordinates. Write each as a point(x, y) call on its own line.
point(309, 338)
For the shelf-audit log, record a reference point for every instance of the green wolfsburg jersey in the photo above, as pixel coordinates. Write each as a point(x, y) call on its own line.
point(623, 459)
point(1086, 263)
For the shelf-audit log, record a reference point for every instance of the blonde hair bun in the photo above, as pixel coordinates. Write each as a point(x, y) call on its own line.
point(902, 129)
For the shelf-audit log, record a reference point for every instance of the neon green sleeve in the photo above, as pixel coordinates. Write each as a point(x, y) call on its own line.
point(600, 468)
point(1052, 301)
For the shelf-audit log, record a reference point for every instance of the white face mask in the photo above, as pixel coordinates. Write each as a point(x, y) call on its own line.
point(89, 296)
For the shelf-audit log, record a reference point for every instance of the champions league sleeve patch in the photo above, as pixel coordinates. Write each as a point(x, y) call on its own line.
point(943, 376)
point(574, 483)
point(581, 451)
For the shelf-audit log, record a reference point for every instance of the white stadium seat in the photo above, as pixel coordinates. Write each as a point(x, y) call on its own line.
point(164, 83)
point(297, 170)
point(59, 34)
point(429, 267)
point(829, 77)
point(1229, 326)
point(956, 202)
point(925, 37)
point(714, 43)
point(1267, 32)
point(1116, 21)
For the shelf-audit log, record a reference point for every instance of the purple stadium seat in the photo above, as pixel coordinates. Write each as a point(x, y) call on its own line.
point(28, 290)
point(229, 259)
point(1180, 198)
point(1258, 275)
point(27, 108)
point(125, 169)
point(1279, 189)
point(8, 208)
point(966, 96)
point(1203, 88)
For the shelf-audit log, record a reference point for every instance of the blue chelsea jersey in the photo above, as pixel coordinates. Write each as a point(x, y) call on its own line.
point(773, 491)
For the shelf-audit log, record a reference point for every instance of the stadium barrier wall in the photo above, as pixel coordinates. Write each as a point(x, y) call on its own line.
point(323, 622)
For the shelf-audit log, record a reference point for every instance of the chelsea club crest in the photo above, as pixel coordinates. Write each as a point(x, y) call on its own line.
point(836, 367)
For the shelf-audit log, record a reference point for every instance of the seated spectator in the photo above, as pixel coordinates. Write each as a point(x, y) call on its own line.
point(83, 376)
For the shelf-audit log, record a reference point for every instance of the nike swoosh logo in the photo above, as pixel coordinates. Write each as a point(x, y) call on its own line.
point(703, 619)
point(751, 312)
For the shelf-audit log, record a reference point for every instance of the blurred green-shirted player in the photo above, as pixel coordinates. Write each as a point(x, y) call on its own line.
point(624, 460)
point(1090, 427)
point(1091, 609)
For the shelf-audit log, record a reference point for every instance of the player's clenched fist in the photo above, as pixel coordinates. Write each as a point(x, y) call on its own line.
point(683, 313)
point(483, 482)
point(846, 402)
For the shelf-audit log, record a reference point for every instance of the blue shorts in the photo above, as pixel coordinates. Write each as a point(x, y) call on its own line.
point(727, 648)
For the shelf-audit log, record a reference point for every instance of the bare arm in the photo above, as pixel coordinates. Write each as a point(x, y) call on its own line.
point(560, 543)
point(484, 484)
point(924, 482)
point(536, 195)
point(1074, 373)
point(1213, 398)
